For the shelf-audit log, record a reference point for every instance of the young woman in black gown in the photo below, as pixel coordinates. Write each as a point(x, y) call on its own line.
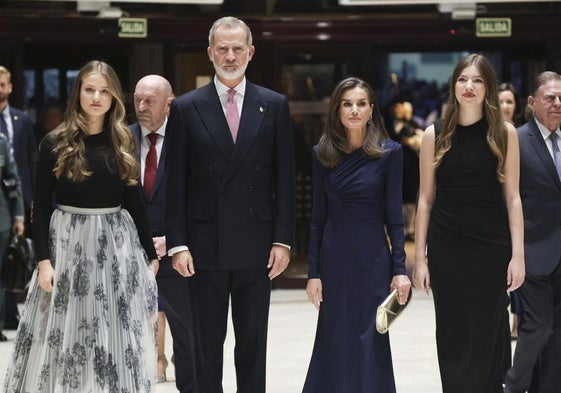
point(469, 230)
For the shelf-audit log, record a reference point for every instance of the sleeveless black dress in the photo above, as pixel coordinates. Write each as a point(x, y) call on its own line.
point(469, 249)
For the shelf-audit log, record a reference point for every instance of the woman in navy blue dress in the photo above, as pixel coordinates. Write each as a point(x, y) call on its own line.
point(357, 172)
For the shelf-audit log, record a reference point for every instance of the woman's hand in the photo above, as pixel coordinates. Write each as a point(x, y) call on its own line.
point(315, 291)
point(154, 266)
point(45, 275)
point(421, 276)
point(515, 274)
point(402, 284)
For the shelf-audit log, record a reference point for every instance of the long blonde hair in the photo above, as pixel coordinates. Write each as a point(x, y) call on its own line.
point(497, 137)
point(69, 136)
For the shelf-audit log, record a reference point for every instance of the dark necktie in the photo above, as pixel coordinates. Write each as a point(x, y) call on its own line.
point(232, 114)
point(4, 125)
point(556, 153)
point(151, 165)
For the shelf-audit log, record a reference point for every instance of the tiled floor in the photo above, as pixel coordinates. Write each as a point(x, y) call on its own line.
point(291, 334)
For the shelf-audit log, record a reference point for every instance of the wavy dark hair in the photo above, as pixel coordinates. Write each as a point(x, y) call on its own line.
point(69, 136)
point(334, 141)
point(497, 137)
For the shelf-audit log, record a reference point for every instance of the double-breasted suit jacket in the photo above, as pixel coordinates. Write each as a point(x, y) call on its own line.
point(540, 191)
point(230, 202)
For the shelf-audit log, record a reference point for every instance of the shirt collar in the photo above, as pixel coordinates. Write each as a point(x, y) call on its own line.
point(6, 111)
point(544, 131)
point(160, 131)
point(221, 88)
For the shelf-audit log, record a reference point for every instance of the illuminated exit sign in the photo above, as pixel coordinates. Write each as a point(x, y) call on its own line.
point(133, 27)
point(493, 27)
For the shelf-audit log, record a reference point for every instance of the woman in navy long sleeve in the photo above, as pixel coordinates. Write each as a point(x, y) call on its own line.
point(357, 173)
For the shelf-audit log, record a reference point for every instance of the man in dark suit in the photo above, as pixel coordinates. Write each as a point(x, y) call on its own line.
point(230, 204)
point(11, 212)
point(539, 332)
point(152, 99)
point(21, 138)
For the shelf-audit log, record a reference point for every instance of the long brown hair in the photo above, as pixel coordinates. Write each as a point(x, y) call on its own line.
point(334, 140)
point(69, 136)
point(497, 137)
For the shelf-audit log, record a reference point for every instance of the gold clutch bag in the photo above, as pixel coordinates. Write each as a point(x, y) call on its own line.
point(388, 311)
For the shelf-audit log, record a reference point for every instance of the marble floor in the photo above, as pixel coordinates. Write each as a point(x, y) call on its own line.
point(292, 326)
point(291, 333)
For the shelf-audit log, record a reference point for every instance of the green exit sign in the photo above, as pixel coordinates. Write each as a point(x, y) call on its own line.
point(493, 27)
point(133, 27)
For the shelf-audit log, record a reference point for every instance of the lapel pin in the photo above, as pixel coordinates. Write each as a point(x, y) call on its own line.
point(15, 117)
point(261, 109)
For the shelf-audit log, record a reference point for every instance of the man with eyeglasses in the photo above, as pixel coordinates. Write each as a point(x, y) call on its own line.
point(539, 332)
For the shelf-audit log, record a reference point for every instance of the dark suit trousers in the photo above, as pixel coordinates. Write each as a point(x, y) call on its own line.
point(4, 242)
point(539, 335)
point(250, 293)
point(173, 294)
point(11, 314)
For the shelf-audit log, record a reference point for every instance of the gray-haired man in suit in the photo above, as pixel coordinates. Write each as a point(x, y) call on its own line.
point(539, 331)
point(19, 132)
point(230, 204)
point(11, 212)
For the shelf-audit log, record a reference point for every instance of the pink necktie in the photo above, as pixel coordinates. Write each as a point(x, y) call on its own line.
point(151, 165)
point(232, 115)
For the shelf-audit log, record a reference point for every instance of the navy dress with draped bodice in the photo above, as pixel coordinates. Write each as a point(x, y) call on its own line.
point(355, 205)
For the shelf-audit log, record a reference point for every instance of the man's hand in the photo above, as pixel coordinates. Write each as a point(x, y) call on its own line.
point(18, 227)
point(278, 260)
point(160, 246)
point(182, 261)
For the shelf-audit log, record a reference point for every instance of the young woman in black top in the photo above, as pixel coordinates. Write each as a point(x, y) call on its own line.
point(89, 319)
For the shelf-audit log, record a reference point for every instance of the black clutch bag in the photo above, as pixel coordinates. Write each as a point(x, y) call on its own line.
point(389, 310)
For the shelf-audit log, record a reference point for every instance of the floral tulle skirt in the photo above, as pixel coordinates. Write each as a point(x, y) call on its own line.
point(96, 331)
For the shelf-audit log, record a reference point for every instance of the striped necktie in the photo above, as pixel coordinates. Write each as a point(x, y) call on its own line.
point(556, 153)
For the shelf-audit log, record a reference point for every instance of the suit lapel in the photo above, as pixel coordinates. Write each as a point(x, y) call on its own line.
point(253, 111)
point(137, 133)
point(212, 115)
point(538, 143)
point(15, 129)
